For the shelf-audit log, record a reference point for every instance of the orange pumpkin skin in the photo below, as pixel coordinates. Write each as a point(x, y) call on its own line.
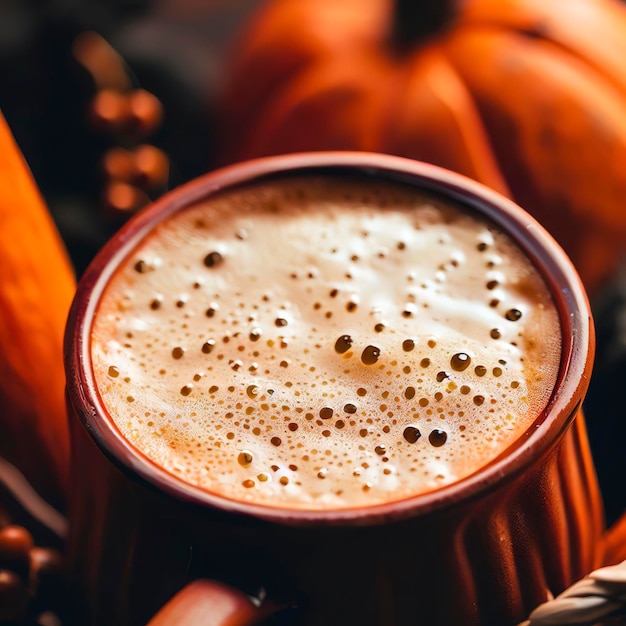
point(615, 548)
point(525, 96)
point(36, 288)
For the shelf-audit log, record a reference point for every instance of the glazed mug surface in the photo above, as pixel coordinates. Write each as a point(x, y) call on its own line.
point(481, 551)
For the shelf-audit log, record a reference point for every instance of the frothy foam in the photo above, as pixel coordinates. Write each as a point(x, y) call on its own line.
point(324, 343)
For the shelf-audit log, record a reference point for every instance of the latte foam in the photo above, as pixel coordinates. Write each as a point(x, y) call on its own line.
point(324, 343)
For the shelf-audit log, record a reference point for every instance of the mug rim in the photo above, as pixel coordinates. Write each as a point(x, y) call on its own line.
point(536, 243)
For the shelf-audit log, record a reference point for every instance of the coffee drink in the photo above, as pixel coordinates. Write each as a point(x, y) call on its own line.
point(325, 342)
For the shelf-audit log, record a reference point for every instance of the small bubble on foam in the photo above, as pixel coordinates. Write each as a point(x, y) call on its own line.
point(379, 327)
point(156, 303)
point(213, 259)
point(185, 390)
point(352, 305)
point(380, 450)
point(142, 266)
point(480, 370)
point(411, 434)
point(370, 355)
point(513, 315)
point(212, 309)
point(409, 310)
point(495, 333)
point(349, 408)
point(113, 371)
point(255, 334)
point(208, 346)
point(248, 484)
point(478, 400)
point(441, 376)
point(178, 352)
point(460, 361)
point(275, 441)
point(252, 391)
point(343, 344)
point(437, 437)
point(280, 322)
point(245, 458)
point(408, 345)
point(361, 391)
point(326, 413)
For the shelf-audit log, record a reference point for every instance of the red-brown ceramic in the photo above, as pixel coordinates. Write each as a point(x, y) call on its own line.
point(482, 551)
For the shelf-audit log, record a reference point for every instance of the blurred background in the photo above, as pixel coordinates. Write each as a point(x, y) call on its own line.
point(174, 49)
point(62, 62)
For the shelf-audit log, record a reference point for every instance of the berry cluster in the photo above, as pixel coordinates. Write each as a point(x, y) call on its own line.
point(30, 579)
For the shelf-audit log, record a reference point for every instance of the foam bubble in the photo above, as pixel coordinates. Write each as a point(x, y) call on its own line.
point(292, 344)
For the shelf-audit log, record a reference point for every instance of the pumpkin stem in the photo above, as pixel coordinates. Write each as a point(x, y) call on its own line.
point(414, 20)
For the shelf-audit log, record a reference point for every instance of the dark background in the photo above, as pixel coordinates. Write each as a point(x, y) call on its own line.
point(173, 48)
point(177, 49)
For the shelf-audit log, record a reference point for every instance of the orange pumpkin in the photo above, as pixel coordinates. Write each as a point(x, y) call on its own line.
point(36, 289)
point(526, 96)
point(615, 548)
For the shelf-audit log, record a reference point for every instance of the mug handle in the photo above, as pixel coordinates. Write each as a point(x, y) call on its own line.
point(210, 603)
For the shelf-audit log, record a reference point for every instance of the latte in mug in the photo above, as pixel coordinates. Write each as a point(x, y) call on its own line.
point(325, 342)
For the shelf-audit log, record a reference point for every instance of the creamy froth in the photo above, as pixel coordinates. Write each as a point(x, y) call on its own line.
point(324, 343)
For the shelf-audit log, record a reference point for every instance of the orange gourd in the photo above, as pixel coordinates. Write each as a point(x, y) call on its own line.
point(36, 288)
point(526, 96)
point(615, 548)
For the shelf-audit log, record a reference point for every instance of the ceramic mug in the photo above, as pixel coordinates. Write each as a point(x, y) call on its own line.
point(484, 550)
